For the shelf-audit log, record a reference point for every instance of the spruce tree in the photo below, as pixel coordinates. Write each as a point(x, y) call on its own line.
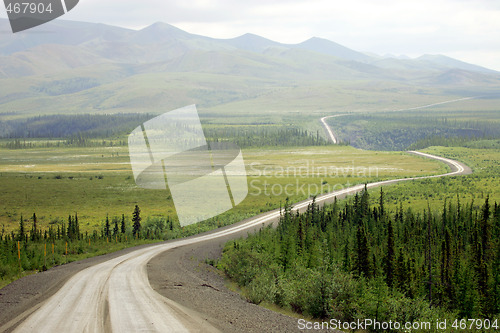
point(122, 225)
point(381, 203)
point(107, 227)
point(364, 203)
point(34, 232)
point(485, 229)
point(484, 262)
point(362, 258)
point(401, 273)
point(136, 221)
point(76, 226)
point(70, 227)
point(445, 267)
point(115, 226)
point(389, 260)
point(20, 235)
point(429, 252)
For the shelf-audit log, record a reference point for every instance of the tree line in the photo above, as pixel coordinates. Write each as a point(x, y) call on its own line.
point(357, 261)
point(92, 130)
point(474, 142)
point(33, 248)
point(264, 136)
point(73, 127)
point(403, 130)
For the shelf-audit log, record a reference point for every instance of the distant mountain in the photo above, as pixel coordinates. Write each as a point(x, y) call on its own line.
point(441, 61)
point(57, 32)
point(158, 33)
point(161, 41)
point(327, 47)
point(252, 43)
point(457, 76)
point(161, 65)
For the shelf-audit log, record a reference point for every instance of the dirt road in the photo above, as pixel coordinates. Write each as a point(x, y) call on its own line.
point(181, 293)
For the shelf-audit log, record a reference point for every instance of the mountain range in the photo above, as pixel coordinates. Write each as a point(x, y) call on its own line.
point(66, 66)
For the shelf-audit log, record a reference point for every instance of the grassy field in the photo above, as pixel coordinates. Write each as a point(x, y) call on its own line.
point(95, 182)
point(485, 181)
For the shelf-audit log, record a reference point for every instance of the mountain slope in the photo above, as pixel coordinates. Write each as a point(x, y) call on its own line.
point(441, 61)
point(162, 66)
point(327, 47)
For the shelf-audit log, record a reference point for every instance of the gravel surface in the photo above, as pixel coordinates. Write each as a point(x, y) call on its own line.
point(183, 276)
point(23, 296)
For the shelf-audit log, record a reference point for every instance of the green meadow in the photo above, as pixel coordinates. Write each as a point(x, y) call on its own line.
point(483, 182)
point(98, 181)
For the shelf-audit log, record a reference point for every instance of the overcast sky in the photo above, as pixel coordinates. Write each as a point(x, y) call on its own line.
point(465, 29)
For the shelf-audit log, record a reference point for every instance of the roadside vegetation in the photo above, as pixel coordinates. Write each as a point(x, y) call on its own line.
point(354, 260)
point(33, 247)
point(416, 251)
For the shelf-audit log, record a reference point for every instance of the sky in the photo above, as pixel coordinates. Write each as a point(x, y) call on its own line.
point(468, 30)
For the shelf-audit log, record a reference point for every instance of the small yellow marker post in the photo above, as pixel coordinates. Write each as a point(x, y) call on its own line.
point(45, 255)
point(19, 256)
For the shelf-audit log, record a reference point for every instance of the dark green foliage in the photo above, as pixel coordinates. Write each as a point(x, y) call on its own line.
point(136, 221)
point(115, 226)
point(77, 129)
point(351, 262)
point(107, 228)
point(73, 231)
point(264, 136)
point(20, 234)
point(68, 86)
point(34, 234)
point(90, 130)
point(416, 129)
point(80, 245)
point(456, 141)
point(362, 256)
point(390, 256)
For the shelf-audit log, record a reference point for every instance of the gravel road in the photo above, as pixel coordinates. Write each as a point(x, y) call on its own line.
point(157, 288)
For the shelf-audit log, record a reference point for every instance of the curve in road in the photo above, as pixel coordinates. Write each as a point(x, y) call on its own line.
point(116, 295)
point(328, 129)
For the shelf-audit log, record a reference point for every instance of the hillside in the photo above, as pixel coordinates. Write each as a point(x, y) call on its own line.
point(162, 67)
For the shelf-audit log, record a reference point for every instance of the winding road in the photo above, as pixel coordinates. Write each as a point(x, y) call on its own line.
point(116, 295)
point(328, 129)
